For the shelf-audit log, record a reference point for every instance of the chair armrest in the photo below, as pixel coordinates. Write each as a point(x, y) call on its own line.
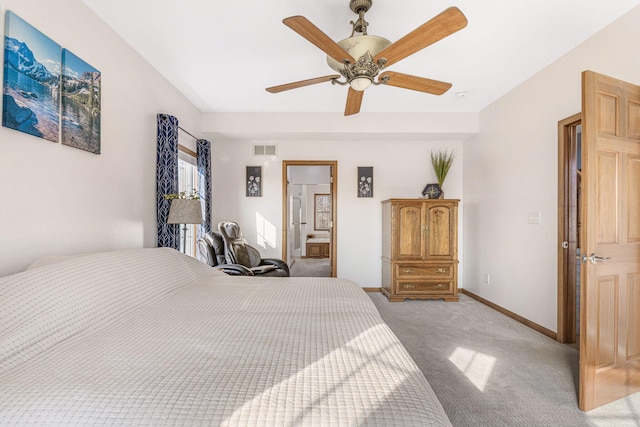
point(234, 269)
point(277, 262)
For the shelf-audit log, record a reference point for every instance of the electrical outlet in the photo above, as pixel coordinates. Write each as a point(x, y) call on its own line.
point(487, 279)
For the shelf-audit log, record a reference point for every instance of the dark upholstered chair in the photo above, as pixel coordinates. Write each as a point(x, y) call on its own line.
point(211, 247)
point(238, 251)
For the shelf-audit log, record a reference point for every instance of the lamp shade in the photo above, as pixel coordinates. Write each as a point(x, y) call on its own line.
point(185, 211)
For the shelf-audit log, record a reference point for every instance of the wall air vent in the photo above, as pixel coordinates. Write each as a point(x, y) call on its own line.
point(264, 150)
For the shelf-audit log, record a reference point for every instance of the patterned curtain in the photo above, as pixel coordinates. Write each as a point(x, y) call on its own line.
point(167, 179)
point(203, 150)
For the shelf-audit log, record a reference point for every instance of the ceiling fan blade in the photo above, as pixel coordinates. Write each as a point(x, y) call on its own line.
point(420, 84)
point(302, 83)
point(309, 31)
point(354, 100)
point(441, 26)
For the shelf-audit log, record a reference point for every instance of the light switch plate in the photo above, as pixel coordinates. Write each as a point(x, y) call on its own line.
point(533, 218)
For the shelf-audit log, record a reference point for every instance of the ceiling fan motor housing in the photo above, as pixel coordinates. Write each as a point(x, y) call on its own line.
point(360, 5)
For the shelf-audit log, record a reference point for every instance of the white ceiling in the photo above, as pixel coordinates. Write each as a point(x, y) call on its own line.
point(223, 54)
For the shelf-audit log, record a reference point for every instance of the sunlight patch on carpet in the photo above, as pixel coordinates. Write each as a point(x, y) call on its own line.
point(477, 367)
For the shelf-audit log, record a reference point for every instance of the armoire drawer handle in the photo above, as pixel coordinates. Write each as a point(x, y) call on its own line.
point(440, 270)
point(440, 286)
point(408, 270)
point(408, 286)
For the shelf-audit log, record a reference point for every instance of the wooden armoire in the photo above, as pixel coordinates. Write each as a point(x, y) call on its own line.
point(420, 249)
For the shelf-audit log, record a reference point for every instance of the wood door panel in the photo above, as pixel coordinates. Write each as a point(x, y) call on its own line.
point(410, 235)
point(633, 120)
point(633, 203)
point(439, 229)
point(633, 316)
point(607, 195)
point(608, 118)
point(607, 321)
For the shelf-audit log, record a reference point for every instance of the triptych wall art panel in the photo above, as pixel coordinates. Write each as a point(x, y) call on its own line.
point(31, 96)
point(41, 80)
point(80, 103)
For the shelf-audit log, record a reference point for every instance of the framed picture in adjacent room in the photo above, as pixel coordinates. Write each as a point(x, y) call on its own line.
point(322, 210)
point(31, 80)
point(365, 181)
point(254, 181)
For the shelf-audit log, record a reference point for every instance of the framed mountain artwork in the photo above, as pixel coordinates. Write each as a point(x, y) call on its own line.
point(31, 86)
point(80, 104)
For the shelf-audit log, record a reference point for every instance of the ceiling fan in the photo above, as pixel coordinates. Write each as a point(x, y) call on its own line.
point(360, 58)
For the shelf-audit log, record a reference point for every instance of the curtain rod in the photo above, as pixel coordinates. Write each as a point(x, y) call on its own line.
point(164, 117)
point(188, 133)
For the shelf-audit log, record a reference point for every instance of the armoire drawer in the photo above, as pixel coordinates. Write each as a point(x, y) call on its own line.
point(435, 271)
point(406, 287)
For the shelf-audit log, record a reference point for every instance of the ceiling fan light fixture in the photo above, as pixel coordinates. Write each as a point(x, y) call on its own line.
point(360, 83)
point(358, 46)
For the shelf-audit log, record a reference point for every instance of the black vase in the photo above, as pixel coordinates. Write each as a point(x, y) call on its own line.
point(433, 191)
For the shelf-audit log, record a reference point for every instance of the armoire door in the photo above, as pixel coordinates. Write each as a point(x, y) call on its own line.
point(440, 220)
point(409, 243)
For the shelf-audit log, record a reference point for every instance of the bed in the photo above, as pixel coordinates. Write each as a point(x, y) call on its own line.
point(153, 337)
point(317, 246)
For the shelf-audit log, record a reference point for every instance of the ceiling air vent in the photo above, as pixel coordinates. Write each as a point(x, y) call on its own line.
point(264, 150)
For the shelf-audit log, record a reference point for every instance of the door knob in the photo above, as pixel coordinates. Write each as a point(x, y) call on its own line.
point(595, 259)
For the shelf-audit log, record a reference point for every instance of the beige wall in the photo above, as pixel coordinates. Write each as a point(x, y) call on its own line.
point(510, 170)
point(400, 169)
point(398, 146)
point(60, 200)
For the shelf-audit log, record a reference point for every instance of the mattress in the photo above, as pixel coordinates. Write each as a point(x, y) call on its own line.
point(185, 345)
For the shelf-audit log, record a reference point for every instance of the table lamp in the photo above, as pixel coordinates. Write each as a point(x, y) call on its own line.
point(185, 211)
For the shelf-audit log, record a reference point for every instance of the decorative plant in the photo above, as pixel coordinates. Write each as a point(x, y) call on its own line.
point(442, 161)
point(183, 195)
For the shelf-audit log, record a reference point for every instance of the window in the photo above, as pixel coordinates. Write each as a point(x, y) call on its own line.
point(188, 182)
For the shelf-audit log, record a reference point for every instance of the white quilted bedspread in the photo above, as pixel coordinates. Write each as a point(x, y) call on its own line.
point(182, 344)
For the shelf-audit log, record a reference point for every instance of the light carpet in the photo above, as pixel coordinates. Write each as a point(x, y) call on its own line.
point(310, 267)
point(490, 370)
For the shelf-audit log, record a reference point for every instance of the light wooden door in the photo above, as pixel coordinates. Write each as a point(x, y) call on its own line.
point(410, 223)
point(440, 230)
point(610, 299)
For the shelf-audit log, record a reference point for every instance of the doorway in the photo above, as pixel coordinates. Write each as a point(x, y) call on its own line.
point(309, 228)
point(569, 182)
